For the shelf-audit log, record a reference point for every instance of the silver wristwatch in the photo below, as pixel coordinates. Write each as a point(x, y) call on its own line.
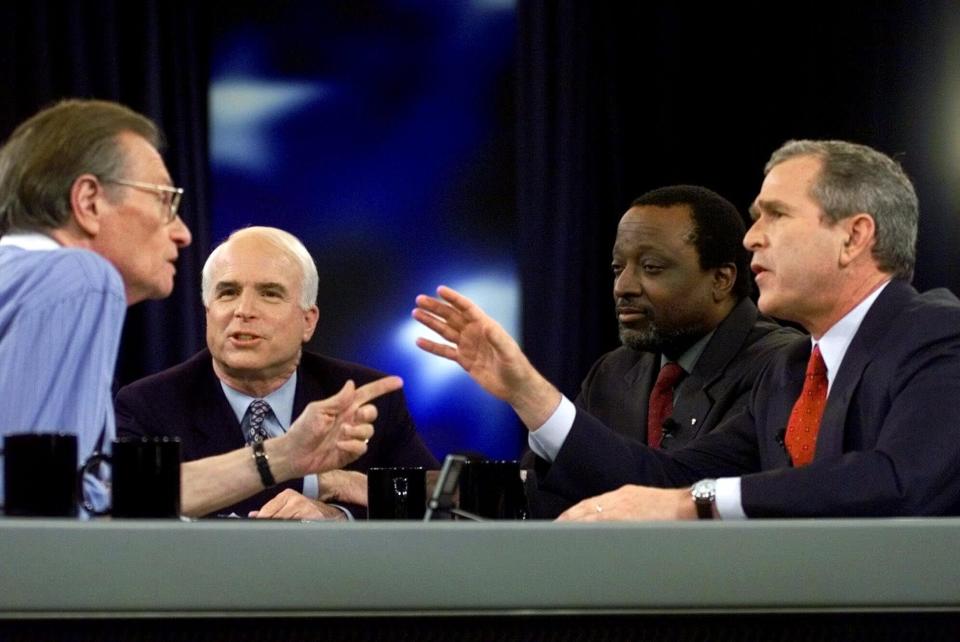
point(704, 494)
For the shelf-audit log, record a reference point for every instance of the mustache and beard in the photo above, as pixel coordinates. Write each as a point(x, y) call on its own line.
point(649, 334)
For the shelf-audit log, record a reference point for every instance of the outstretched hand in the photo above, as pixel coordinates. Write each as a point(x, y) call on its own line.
point(486, 352)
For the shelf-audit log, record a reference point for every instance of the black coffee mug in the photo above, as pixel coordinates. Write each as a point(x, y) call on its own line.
point(493, 489)
point(145, 477)
point(40, 475)
point(396, 493)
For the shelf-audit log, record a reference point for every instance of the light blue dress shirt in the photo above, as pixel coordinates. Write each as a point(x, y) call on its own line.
point(61, 315)
point(276, 422)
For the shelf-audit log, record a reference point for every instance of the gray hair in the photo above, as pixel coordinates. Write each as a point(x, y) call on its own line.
point(856, 178)
point(46, 153)
point(288, 244)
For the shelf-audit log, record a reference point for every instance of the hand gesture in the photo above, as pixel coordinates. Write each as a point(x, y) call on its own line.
point(333, 432)
point(486, 352)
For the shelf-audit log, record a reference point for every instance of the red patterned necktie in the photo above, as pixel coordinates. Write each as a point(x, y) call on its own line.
point(661, 402)
point(804, 424)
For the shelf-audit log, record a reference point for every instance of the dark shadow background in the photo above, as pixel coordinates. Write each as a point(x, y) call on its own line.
point(612, 99)
point(152, 56)
point(379, 139)
point(618, 98)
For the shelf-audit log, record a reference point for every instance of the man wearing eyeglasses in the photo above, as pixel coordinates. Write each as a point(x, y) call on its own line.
point(88, 226)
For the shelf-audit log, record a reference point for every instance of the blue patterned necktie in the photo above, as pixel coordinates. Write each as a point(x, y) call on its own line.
point(257, 411)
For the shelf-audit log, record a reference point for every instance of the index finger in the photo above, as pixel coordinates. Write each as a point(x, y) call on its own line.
point(369, 391)
point(467, 307)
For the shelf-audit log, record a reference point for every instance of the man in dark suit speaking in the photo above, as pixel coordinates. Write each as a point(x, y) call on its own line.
point(259, 289)
point(860, 419)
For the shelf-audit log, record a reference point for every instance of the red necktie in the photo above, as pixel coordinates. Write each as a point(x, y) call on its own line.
point(661, 402)
point(804, 424)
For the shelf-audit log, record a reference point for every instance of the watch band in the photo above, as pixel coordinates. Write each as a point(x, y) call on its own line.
point(263, 465)
point(704, 508)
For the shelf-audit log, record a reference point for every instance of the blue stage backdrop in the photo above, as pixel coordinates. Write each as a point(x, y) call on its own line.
point(381, 134)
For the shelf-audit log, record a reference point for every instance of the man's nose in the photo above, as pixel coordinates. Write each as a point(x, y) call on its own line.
point(246, 305)
point(180, 233)
point(753, 239)
point(626, 283)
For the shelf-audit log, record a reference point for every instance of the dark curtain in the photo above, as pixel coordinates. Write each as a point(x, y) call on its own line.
point(150, 55)
point(613, 99)
point(617, 98)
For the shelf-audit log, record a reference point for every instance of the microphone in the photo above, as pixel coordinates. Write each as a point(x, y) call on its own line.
point(670, 426)
point(781, 440)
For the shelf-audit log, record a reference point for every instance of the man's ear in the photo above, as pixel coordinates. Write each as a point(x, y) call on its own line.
point(860, 236)
point(85, 196)
point(311, 316)
point(724, 278)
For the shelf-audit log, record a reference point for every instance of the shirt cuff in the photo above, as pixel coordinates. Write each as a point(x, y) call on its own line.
point(547, 440)
point(311, 487)
point(728, 498)
point(95, 491)
point(344, 510)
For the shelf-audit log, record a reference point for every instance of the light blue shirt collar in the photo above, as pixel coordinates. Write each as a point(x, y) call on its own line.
point(834, 343)
point(280, 400)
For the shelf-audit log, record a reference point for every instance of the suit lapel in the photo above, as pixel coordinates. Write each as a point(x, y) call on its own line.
point(727, 341)
point(639, 379)
point(310, 386)
point(860, 353)
point(784, 397)
point(215, 427)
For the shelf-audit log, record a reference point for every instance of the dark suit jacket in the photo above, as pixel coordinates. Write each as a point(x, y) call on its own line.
point(889, 440)
point(186, 401)
point(617, 389)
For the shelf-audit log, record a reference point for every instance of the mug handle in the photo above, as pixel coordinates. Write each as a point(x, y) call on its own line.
point(93, 460)
point(401, 489)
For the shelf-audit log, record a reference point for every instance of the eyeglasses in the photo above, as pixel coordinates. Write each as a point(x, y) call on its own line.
point(169, 196)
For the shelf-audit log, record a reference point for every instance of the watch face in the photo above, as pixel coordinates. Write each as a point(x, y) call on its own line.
point(704, 489)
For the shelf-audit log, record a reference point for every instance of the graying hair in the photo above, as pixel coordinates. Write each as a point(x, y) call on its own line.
point(46, 153)
point(283, 241)
point(856, 178)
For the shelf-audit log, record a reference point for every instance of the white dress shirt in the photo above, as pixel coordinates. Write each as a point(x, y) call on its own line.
point(547, 440)
point(833, 346)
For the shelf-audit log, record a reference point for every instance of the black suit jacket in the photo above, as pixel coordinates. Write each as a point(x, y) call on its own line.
point(617, 389)
point(187, 401)
point(889, 440)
